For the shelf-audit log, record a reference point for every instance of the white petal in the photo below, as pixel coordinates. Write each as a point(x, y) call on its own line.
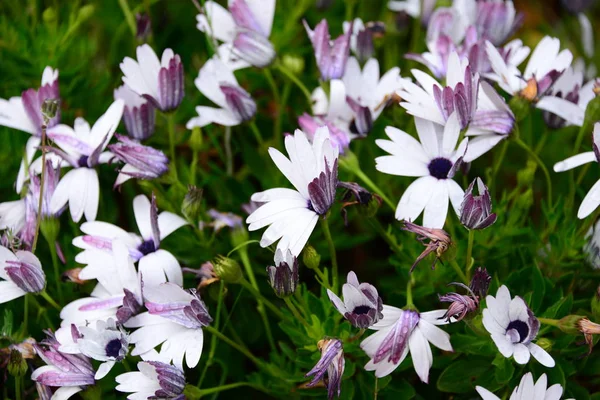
point(401, 166)
point(104, 369)
point(486, 394)
point(141, 210)
point(575, 161)
point(554, 392)
point(65, 392)
point(541, 355)
point(480, 145)
point(168, 223)
point(436, 208)
point(217, 22)
point(427, 132)
point(565, 109)
point(60, 197)
point(421, 354)
point(9, 291)
point(504, 345)
point(435, 336)
point(590, 201)
point(413, 200)
point(521, 353)
point(456, 195)
point(451, 133)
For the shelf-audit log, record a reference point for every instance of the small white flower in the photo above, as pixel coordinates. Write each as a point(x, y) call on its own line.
point(293, 214)
point(155, 380)
point(513, 327)
point(82, 148)
point(401, 331)
point(591, 201)
point(528, 390)
point(434, 160)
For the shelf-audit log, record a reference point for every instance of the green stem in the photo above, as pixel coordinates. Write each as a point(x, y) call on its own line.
point(18, 389)
point(278, 104)
point(243, 252)
point(50, 300)
point(193, 167)
point(233, 344)
point(26, 311)
point(366, 180)
point(498, 163)
point(469, 264)
point(580, 135)
point(247, 285)
point(324, 279)
point(171, 128)
point(41, 194)
point(213, 341)
point(409, 296)
point(332, 252)
point(204, 392)
point(128, 16)
point(228, 153)
point(459, 272)
point(357, 336)
point(294, 311)
point(256, 132)
point(548, 321)
point(376, 379)
point(56, 267)
point(283, 69)
point(542, 166)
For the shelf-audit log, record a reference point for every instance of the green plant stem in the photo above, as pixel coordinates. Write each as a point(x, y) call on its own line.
point(498, 163)
point(233, 344)
point(540, 164)
point(41, 194)
point(332, 252)
point(376, 379)
point(278, 103)
point(321, 275)
point(50, 300)
point(243, 252)
point(228, 153)
point(366, 180)
point(548, 321)
point(459, 272)
point(18, 389)
point(283, 69)
point(56, 267)
point(193, 167)
point(469, 264)
point(580, 135)
point(256, 132)
point(26, 311)
point(128, 16)
point(171, 128)
point(409, 296)
point(357, 336)
point(216, 389)
point(213, 341)
point(295, 312)
point(247, 285)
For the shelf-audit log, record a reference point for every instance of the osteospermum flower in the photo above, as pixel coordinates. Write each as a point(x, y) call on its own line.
point(591, 201)
point(283, 276)
point(434, 160)
point(293, 214)
point(528, 390)
point(218, 84)
point(476, 211)
point(460, 304)
point(155, 380)
point(331, 56)
point(513, 326)
point(362, 304)
point(21, 273)
point(25, 114)
point(82, 148)
point(103, 341)
point(401, 331)
point(175, 319)
point(155, 265)
point(332, 363)
point(244, 31)
point(159, 81)
point(139, 115)
point(141, 162)
point(438, 241)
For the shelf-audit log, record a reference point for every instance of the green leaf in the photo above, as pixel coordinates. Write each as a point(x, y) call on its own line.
point(504, 369)
point(539, 288)
point(460, 376)
point(561, 308)
point(7, 324)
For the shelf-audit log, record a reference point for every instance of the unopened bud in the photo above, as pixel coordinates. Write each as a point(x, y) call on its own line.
point(570, 324)
point(239, 236)
point(476, 211)
point(192, 203)
point(143, 24)
point(592, 112)
point(227, 269)
point(196, 140)
point(545, 344)
point(49, 109)
point(50, 227)
point(85, 12)
point(310, 257)
point(49, 15)
point(294, 64)
point(17, 366)
point(520, 107)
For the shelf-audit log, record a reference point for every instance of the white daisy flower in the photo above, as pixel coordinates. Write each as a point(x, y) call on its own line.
point(434, 160)
point(155, 265)
point(591, 201)
point(174, 319)
point(528, 390)
point(82, 148)
point(513, 327)
point(401, 331)
point(293, 214)
point(155, 380)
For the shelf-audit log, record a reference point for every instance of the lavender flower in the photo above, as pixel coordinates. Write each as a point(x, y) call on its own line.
point(283, 276)
point(159, 81)
point(331, 363)
point(338, 136)
point(439, 241)
point(476, 211)
point(155, 380)
point(224, 219)
point(362, 304)
point(461, 98)
point(331, 57)
point(139, 113)
point(461, 305)
point(141, 162)
point(20, 273)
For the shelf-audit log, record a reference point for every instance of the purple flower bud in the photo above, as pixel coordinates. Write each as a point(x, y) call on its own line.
point(363, 120)
point(283, 276)
point(309, 125)
point(139, 113)
point(331, 57)
point(170, 84)
point(480, 282)
point(176, 304)
point(141, 162)
point(476, 211)
point(322, 189)
point(462, 98)
point(460, 305)
point(497, 20)
point(26, 273)
point(362, 305)
point(254, 48)
point(131, 306)
point(171, 380)
point(332, 362)
point(364, 48)
point(239, 101)
point(143, 26)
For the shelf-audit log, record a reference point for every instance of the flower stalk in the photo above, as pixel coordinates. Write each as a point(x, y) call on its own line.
point(332, 252)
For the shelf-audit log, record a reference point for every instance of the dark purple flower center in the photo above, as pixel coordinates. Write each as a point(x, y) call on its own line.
point(147, 247)
point(361, 310)
point(440, 167)
point(83, 161)
point(521, 327)
point(113, 348)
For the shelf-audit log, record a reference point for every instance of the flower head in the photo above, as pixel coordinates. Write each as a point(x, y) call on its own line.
point(293, 214)
point(139, 114)
point(153, 380)
point(331, 363)
point(439, 241)
point(589, 329)
point(462, 304)
point(141, 162)
point(401, 331)
point(513, 326)
point(528, 390)
point(331, 56)
point(476, 211)
point(21, 273)
point(362, 304)
point(159, 81)
point(283, 276)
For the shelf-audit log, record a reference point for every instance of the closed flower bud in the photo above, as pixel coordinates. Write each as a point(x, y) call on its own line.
point(545, 344)
point(143, 25)
point(239, 102)
point(570, 324)
point(254, 48)
point(283, 276)
point(592, 112)
point(227, 269)
point(310, 257)
point(192, 203)
point(196, 140)
point(294, 64)
point(17, 366)
point(50, 227)
point(26, 272)
point(331, 363)
point(476, 211)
